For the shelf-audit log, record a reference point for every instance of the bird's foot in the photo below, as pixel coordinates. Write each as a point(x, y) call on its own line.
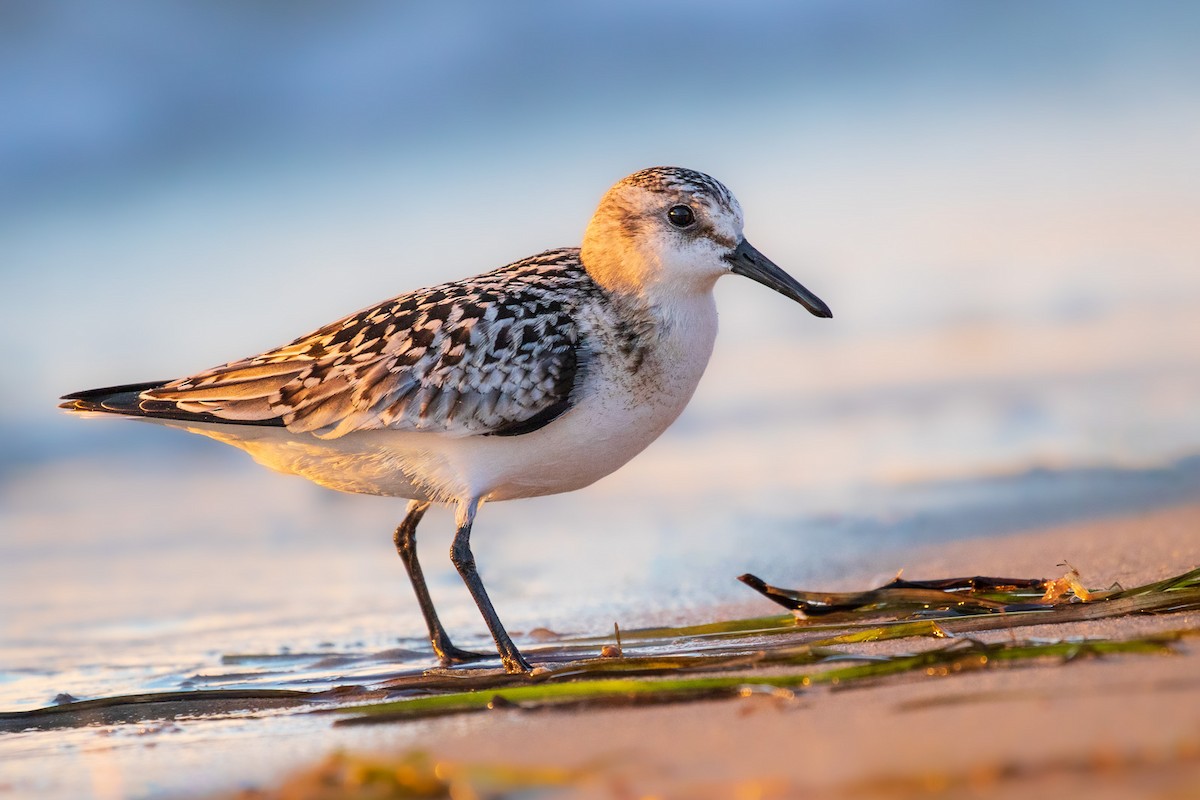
point(449, 655)
point(515, 663)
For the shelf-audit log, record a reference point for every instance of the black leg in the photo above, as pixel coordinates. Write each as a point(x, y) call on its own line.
point(464, 562)
point(406, 545)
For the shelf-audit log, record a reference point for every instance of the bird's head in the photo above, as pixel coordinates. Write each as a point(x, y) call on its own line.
point(669, 230)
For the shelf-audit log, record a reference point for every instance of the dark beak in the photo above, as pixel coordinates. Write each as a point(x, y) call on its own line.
point(745, 260)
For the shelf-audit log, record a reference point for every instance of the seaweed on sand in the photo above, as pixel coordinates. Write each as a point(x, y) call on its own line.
point(720, 659)
point(800, 655)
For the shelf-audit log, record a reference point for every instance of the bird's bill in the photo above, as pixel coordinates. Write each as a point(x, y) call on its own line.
point(745, 260)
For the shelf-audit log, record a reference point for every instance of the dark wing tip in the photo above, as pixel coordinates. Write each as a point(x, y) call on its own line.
point(119, 399)
point(127, 400)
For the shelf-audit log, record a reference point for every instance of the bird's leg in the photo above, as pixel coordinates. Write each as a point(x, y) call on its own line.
point(406, 545)
point(464, 562)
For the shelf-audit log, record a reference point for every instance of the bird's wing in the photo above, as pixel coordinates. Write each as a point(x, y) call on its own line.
point(497, 354)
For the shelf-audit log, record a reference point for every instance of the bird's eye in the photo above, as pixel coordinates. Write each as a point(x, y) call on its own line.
point(680, 216)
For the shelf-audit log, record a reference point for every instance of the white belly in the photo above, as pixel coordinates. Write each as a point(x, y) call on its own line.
point(616, 416)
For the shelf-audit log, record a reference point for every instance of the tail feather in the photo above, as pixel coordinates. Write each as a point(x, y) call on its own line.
point(117, 399)
point(127, 401)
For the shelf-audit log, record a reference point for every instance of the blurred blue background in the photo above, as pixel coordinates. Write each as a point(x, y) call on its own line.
point(1000, 202)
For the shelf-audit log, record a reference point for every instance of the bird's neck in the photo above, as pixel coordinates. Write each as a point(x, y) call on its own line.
point(639, 278)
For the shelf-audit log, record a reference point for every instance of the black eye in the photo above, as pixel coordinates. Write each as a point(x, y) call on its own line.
point(680, 216)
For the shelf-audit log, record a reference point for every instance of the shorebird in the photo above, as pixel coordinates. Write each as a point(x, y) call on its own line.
point(539, 377)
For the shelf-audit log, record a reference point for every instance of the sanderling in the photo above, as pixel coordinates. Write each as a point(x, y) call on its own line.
point(536, 378)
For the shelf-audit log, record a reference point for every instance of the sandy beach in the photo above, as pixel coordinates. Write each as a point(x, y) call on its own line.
point(1119, 726)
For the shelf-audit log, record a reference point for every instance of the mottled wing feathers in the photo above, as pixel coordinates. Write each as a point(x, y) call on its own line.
point(498, 353)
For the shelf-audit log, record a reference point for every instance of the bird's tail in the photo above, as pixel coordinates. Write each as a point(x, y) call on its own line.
point(129, 401)
point(126, 400)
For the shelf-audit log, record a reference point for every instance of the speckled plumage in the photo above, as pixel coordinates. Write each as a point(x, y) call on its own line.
point(536, 378)
point(492, 354)
point(675, 179)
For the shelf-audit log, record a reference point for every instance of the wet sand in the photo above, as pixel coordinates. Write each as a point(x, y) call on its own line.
point(1120, 726)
